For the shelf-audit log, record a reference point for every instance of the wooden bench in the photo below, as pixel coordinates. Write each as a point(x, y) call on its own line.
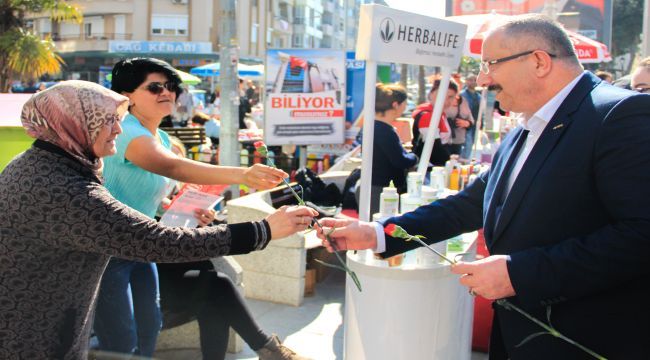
point(190, 136)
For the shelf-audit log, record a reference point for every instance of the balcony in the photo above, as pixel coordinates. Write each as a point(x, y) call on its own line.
point(329, 6)
point(281, 25)
point(82, 42)
point(327, 29)
point(81, 37)
point(298, 28)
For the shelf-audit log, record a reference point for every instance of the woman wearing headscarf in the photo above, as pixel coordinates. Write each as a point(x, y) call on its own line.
point(60, 225)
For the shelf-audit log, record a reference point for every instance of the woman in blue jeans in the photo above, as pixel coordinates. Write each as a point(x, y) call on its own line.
point(128, 316)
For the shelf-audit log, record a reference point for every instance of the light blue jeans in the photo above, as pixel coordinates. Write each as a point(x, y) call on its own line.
point(127, 317)
point(466, 152)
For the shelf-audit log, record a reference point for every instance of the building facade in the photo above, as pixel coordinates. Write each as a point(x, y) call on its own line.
point(186, 32)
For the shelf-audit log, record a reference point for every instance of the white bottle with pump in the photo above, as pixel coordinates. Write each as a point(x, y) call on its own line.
point(389, 201)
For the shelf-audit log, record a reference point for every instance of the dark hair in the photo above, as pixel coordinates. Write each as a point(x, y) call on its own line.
point(436, 85)
point(386, 94)
point(128, 74)
point(603, 75)
point(200, 118)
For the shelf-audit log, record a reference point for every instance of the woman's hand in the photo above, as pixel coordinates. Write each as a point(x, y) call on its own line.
point(288, 220)
point(263, 177)
point(462, 123)
point(205, 217)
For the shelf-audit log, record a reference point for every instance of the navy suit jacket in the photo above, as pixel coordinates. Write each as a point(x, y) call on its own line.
point(576, 225)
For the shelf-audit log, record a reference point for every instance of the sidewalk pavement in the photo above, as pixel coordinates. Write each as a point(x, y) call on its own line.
point(314, 329)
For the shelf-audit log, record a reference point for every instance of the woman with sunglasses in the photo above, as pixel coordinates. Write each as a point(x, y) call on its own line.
point(128, 316)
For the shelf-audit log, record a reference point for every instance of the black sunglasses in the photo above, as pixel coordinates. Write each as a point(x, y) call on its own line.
point(157, 88)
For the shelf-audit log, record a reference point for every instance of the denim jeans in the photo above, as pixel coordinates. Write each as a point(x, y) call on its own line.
point(127, 317)
point(466, 153)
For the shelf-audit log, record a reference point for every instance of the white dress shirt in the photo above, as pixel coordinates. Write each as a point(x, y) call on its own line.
point(535, 125)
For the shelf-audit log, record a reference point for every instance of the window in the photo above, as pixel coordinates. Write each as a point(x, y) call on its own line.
point(254, 30)
point(297, 41)
point(284, 11)
point(169, 25)
point(45, 26)
point(120, 27)
point(88, 30)
point(93, 27)
point(299, 15)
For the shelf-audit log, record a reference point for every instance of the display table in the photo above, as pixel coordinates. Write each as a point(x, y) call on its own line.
point(407, 312)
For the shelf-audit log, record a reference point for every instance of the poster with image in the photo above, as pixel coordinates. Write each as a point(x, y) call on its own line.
point(305, 97)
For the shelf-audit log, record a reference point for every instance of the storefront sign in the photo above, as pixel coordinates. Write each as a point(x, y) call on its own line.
point(305, 104)
point(406, 38)
point(157, 47)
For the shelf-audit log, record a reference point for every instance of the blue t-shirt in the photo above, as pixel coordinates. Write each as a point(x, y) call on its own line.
point(128, 183)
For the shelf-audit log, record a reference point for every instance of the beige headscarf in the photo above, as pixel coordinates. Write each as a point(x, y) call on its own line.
point(71, 114)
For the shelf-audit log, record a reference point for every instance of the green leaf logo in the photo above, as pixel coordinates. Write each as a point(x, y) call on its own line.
point(387, 30)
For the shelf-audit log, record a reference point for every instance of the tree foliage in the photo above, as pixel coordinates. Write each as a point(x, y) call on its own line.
point(627, 23)
point(23, 53)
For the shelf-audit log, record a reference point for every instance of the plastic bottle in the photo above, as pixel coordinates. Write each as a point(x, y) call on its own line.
point(311, 161)
point(408, 202)
point(429, 195)
point(449, 167)
point(438, 181)
point(243, 157)
point(414, 184)
point(326, 162)
point(454, 177)
point(389, 201)
point(464, 177)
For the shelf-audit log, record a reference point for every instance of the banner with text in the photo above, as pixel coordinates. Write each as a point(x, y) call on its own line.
point(403, 37)
point(305, 97)
point(591, 18)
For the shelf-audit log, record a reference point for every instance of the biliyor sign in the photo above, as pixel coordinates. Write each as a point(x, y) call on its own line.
point(305, 101)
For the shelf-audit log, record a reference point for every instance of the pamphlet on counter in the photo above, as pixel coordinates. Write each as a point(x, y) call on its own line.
point(191, 197)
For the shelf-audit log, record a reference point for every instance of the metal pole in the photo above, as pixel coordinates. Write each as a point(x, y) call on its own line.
point(229, 58)
point(645, 47)
point(368, 139)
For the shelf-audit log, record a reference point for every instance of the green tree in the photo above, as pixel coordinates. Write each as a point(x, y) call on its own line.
point(22, 52)
point(627, 23)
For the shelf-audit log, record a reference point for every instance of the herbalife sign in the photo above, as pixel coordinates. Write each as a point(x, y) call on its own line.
point(391, 35)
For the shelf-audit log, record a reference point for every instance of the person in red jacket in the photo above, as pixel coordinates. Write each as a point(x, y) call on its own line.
point(422, 120)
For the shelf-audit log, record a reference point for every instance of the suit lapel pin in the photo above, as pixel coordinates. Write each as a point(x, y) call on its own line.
point(557, 126)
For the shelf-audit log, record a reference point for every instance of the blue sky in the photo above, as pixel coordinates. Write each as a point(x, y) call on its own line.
point(434, 8)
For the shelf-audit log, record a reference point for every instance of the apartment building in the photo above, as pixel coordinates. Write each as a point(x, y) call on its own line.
point(185, 32)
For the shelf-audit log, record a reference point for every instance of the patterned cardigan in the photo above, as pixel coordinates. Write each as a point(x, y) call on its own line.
point(58, 228)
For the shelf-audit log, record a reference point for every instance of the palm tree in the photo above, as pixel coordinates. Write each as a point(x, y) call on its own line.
point(22, 52)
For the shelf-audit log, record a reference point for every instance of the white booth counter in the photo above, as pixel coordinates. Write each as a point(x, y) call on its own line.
point(409, 311)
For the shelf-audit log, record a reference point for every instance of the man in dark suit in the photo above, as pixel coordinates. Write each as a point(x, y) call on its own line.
point(565, 206)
